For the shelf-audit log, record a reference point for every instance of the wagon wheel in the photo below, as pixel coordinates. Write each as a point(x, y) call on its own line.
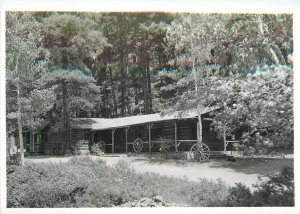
point(138, 145)
point(202, 150)
point(102, 145)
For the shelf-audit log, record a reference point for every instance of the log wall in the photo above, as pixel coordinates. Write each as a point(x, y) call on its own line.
point(210, 137)
point(54, 144)
point(186, 130)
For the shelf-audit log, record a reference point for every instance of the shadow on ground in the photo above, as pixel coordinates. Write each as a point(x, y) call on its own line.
point(47, 157)
point(261, 166)
point(157, 161)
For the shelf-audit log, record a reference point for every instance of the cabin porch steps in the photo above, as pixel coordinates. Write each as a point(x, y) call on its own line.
point(84, 147)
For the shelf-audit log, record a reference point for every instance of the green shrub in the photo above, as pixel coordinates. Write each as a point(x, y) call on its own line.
point(96, 150)
point(239, 196)
point(13, 159)
point(75, 148)
point(277, 190)
point(83, 182)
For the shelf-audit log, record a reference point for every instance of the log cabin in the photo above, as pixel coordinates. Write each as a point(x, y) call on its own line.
point(120, 135)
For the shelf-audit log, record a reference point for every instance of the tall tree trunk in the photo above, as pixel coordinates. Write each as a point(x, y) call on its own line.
point(159, 60)
point(128, 104)
point(136, 98)
point(123, 87)
point(145, 90)
point(20, 123)
point(123, 91)
point(8, 145)
point(196, 89)
point(199, 124)
point(113, 94)
point(149, 85)
point(108, 111)
point(66, 117)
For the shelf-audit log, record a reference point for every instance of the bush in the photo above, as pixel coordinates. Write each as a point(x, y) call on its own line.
point(13, 159)
point(75, 148)
point(96, 150)
point(83, 182)
point(277, 190)
point(239, 196)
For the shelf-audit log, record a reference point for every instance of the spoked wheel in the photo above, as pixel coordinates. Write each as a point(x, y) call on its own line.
point(102, 145)
point(138, 145)
point(201, 150)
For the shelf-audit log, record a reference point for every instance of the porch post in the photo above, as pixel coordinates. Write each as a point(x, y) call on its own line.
point(176, 143)
point(24, 140)
point(198, 133)
point(113, 140)
point(149, 133)
point(224, 139)
point(92, 136)
point(126, 131)
point(31, 141)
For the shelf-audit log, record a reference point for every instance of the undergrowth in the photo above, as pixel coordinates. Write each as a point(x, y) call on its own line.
point(83, 182)
point(277, 190)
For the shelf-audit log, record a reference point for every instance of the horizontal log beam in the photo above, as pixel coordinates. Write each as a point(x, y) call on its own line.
point(187, 140)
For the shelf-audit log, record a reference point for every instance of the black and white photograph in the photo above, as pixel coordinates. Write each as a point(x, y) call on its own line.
point(147, 109)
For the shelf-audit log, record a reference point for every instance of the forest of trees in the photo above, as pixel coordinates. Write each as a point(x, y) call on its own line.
point(63, 65)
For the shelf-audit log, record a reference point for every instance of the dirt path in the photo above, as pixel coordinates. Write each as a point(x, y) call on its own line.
point(245, 171)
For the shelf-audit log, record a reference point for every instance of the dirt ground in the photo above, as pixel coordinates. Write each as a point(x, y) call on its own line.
point(243, 170)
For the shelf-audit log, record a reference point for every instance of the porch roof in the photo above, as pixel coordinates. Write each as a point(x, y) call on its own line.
point(105, 123)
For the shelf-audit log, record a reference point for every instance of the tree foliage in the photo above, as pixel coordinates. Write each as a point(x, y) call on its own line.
point(149, 62)
point(23, 66)
point(276, 190)
point(75, 93)
point(243, 66)
point(72, 41)
point(82, 92)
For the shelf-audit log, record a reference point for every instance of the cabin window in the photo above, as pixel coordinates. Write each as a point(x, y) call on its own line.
point(36, 145)
point(35, 139)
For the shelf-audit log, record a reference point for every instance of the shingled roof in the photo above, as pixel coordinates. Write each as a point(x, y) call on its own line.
point(106, 123)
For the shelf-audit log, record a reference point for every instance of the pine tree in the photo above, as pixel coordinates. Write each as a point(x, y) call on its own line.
point(74, 91)
point(24, 63)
